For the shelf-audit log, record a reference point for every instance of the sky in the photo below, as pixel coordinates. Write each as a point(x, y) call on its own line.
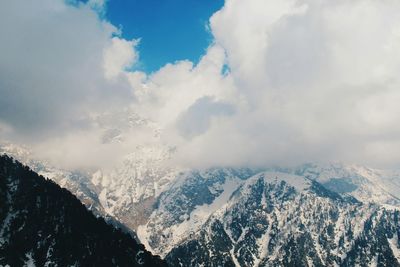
point(257, 83)
point(169, 30)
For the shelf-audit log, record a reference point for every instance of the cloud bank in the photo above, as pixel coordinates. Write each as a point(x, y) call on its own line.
point(52, 62)
point(284, 82)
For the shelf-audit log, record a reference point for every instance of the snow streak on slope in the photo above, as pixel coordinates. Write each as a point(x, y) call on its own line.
point(211, 191)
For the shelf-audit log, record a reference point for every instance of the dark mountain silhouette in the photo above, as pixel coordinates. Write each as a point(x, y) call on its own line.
point(42, 224)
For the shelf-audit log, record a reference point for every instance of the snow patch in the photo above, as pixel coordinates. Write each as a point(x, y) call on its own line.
point(393, 242)
point(298, 182)
point(143, 236)
point(30, 262)
point(201, 213)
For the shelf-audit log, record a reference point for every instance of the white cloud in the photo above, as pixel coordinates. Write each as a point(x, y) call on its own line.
point(315, 80)
point(97, 5)
point(119, 56)
point(166, 94)
point(308, 80)
point(51, 66)
point(53, 80)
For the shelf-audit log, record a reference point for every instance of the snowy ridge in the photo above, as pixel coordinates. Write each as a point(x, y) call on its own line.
point(128, 192)
point(300, 183)
point(187, 205)
point(365, 184)
point(125, 193)
point(293, 228)
point(78, 182)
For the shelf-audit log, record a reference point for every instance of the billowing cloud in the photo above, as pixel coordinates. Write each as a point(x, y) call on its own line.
point(284, 82)
point(119, 56)
point(317, 80)
point(51, 66)
point(196, 120)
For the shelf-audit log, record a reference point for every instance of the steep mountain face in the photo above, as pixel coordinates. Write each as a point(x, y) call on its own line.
point(129, 191)
point(42, 224)
point(77, 182)
point(185, 206)
point(278, 219)
point(125, 194)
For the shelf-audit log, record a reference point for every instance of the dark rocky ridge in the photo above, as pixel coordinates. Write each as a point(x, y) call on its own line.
point(269, 222)
point(45, 225)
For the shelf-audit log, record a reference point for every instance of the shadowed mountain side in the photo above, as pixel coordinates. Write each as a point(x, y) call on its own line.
point(44, 225)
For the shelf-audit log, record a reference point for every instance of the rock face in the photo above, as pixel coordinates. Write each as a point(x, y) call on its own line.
point(278, 219)
point(129, 191)
point(124, 195)
point(42, 224)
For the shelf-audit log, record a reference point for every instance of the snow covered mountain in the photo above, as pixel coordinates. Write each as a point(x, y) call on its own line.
point(365, 184)
point(278, 219)
point(42, 224)
point(227, 217)
point(77, 182)
point(340, 214)
point(124, 194)
point(129, 191)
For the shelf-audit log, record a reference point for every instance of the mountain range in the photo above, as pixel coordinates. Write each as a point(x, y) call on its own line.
point(315, 214)
point(42, 224)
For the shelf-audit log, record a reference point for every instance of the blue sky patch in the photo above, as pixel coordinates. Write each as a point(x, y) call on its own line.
point(170, 30)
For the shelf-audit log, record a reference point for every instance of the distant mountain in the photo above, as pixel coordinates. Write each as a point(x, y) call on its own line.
point(363, 183)
point(42, 224)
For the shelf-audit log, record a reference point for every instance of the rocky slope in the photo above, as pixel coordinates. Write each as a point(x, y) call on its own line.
point(278, 219)
point(42, 224)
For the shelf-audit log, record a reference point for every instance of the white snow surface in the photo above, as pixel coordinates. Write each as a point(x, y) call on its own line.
point(300, 183)
point(142, 175)
point(191, 224)
point(393, 242)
